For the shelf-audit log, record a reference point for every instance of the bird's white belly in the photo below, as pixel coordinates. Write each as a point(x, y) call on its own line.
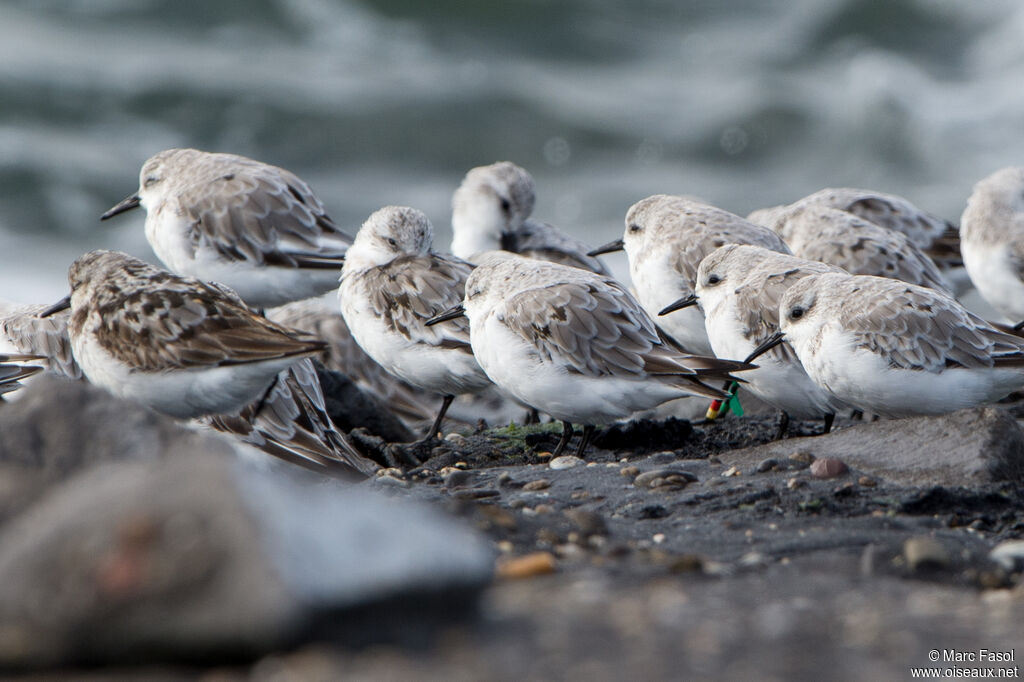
point(995, 277)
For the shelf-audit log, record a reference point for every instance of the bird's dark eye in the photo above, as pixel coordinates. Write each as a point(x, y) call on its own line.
point(714, 279)
point(150, 180)
point(391, 240)
point(635, 228)
point(506, 206)
point(796, 313)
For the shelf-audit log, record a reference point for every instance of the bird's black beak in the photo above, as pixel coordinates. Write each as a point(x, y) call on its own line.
point(126, 204)
point(684, 302)
point(450, 314)
point(62, 304)
point(769, 343)
point(610, 247)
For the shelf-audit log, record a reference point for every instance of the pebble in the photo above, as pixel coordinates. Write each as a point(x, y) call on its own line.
point(565, 462)
point(731, 471)
point(802, 457)
point(828, 467)
point(1009, 554)
point(667, 478)
point(795, 483)
point(539, 484)
point(461, 465)
point(527, 566)
point(456, 478)
point(767, 465)
point(544, 509)
point(504, 479)
point(867, 482)
point(629, 471)
point(456, 438)
point(588, 522)
point(925, 553)
point(663, 457)
point(498, 516)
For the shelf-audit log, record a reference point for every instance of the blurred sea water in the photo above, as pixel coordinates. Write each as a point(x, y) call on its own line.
point(743, 103)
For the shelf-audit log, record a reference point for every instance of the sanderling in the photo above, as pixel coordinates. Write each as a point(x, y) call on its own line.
point(291, 423)
point(175, 344)
point(22, 330)
point(938, 238)
point(12, 371)
point(344, 355)
point(992, 232)
point(896, 349)
point(257, 228)
point(857, 246)
point(666, 238)
point(491, 211)
point(574, 344)
point(738, 290)
point(392, 283)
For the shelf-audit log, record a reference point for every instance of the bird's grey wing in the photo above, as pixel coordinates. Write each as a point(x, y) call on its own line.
point(410, 290)
point(921, 329)
point(266, 215)
point(24, 331)
point(542, 241)
point(189, 324)
point(598, 329)
point(292, 423)
point(863, 249)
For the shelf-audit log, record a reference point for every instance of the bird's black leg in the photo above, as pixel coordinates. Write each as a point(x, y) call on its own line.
point(440, 416)
point(783, 429)
point(588, 433)
point(532, 417)
point(829, 418)
point(566, 437)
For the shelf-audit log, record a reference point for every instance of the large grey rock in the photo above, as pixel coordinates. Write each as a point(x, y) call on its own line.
point(57, 426)
point(196, 557)
point(968, 447)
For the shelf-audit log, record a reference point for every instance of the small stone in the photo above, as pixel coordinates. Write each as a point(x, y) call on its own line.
point(456, 438)
point(629, 471)
point(828, 467)
point(867, 482)
point(527, 566)
point(393, 472)
point(498, 516)
point(1009, 554)
point(505, 547)
point(544, 454)
point(795, 483)
point(802, 457)
point(766, 465)
point(544, 509)
point(669, 478)
point(588, 522)
point(456, 479)
point(925, 553)
point(663, 457)
point(686, 563)
point(461, 465)
point(517, 504)
point(504, 478)
point(539, 484)
point(753, 560)
point(845, 489)
point(580, 495)
point(731, 471)
point(565, 462)
point(658, 538)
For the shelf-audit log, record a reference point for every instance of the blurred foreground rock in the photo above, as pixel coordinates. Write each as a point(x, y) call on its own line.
point(148, 541)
